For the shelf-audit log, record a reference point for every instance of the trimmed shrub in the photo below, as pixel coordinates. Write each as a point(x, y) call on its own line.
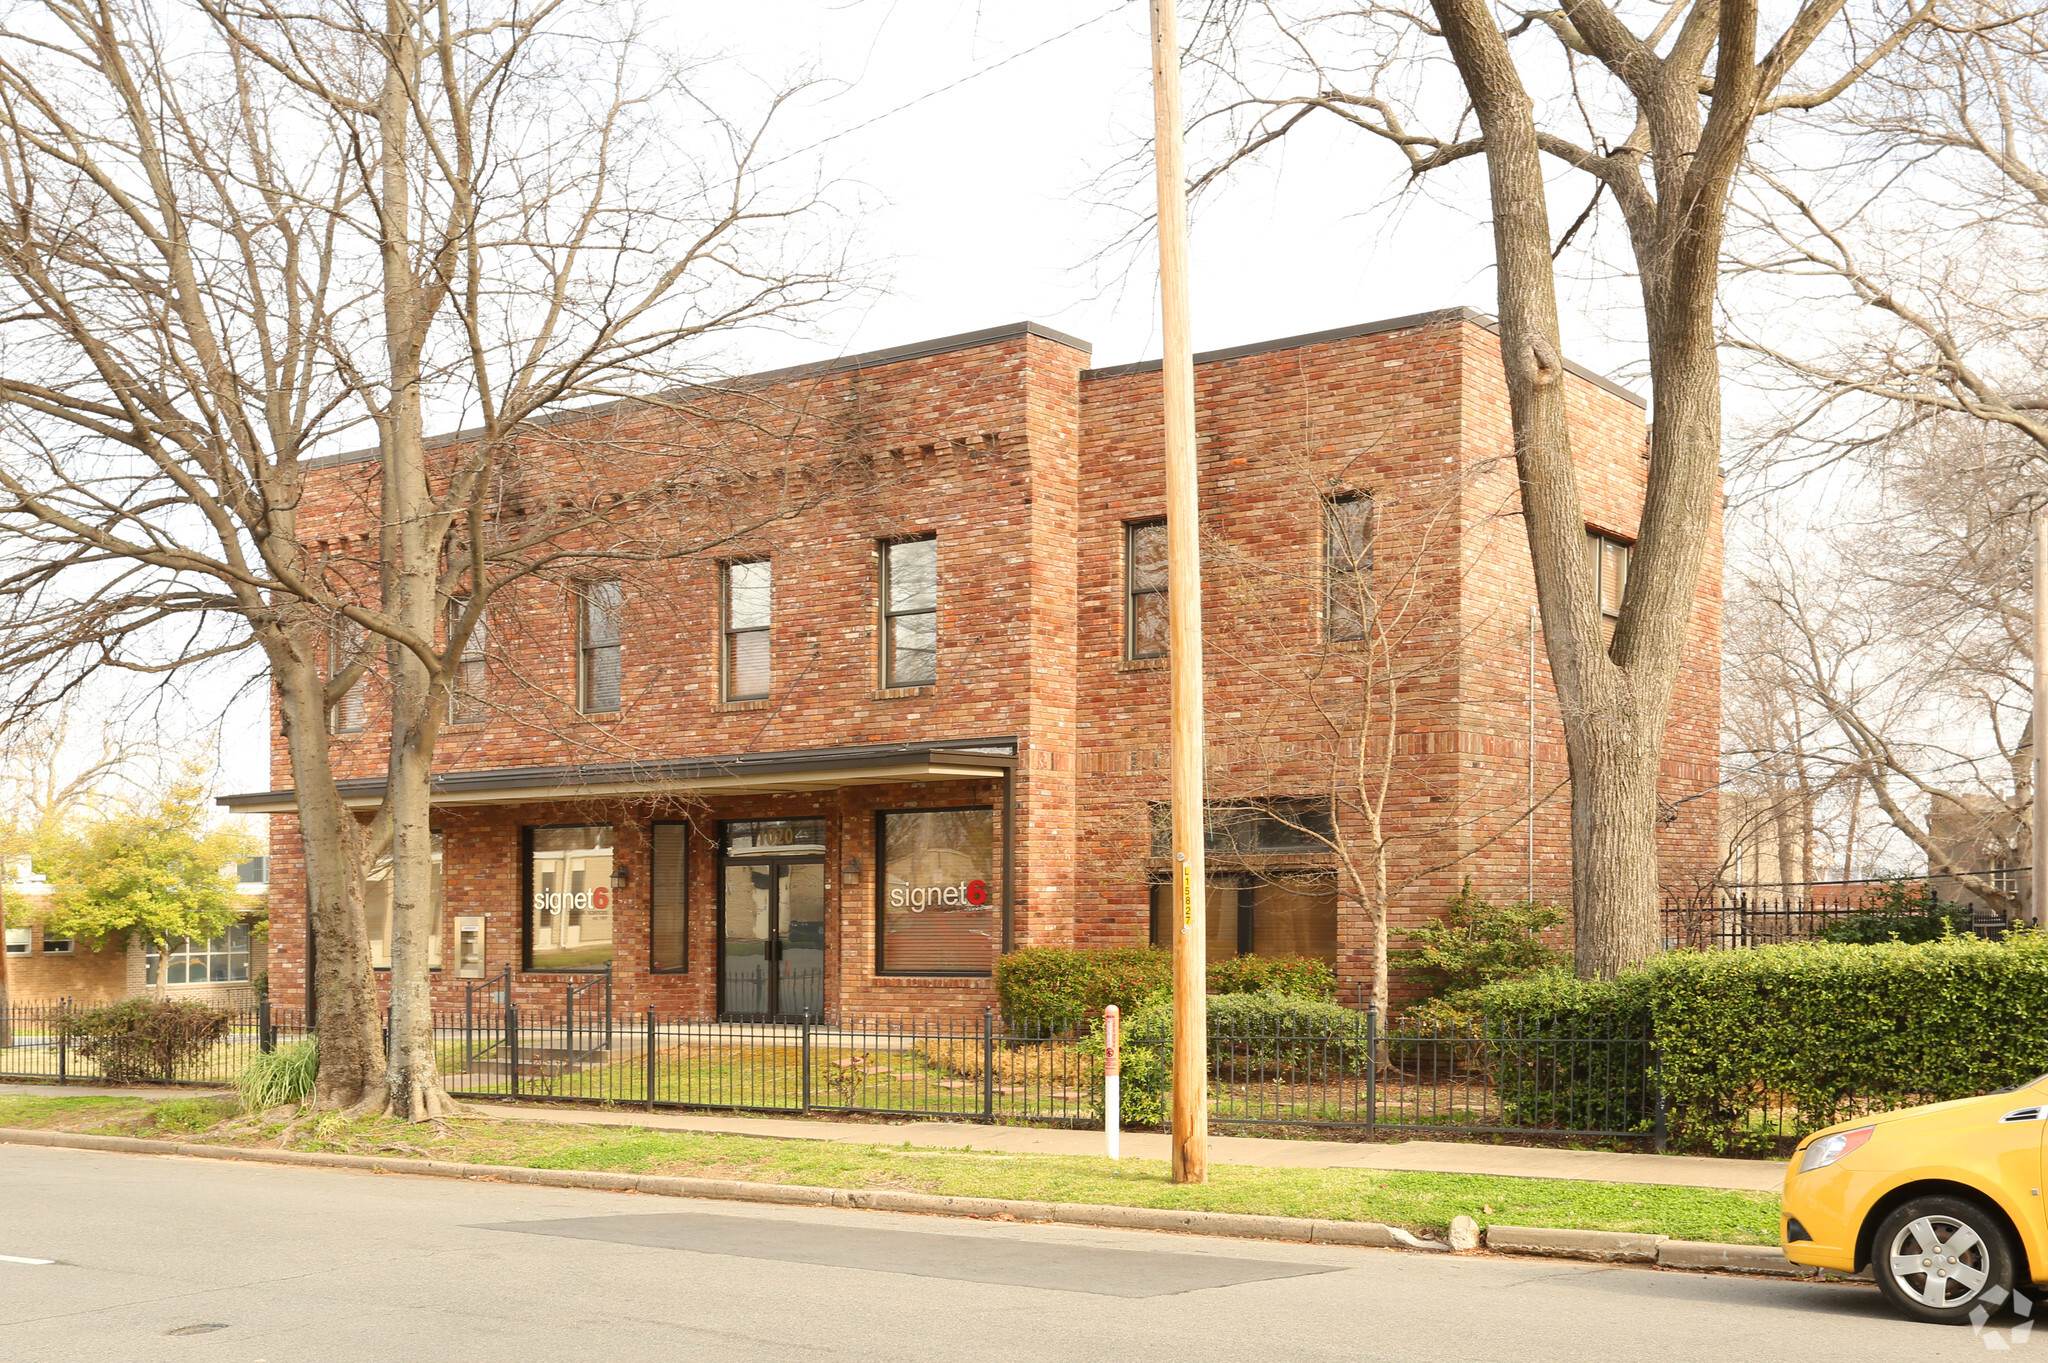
point(1836, 1030)
point(1303, 976)
point(143, 1040)
point(1063, 987)
point(1563, 1053)
point(282, 1076)
point(1261, 1036)
point(1478, 942)
point(1067, 987)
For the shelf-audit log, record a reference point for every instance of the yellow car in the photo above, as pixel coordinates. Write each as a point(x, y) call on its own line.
point(1942, 1202)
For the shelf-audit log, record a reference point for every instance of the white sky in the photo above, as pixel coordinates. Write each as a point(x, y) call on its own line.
point(983, 206)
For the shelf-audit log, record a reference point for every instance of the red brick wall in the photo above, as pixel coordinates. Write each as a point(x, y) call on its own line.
point(1026, 469)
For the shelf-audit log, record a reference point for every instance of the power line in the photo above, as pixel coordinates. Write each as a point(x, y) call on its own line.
point(953, 85)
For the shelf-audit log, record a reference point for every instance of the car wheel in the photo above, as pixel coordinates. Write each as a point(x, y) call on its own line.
point(1937, 1258)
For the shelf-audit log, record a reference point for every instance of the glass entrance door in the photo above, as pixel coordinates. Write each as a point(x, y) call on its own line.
point(772, 942)
point(800, 939)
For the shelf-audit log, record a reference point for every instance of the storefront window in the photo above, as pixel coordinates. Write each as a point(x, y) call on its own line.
point(1253, 915)
point(939, 912)
point(377, 912)
point(569, 898)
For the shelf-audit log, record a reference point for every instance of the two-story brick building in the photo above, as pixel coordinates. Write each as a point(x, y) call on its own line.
point(836, 767)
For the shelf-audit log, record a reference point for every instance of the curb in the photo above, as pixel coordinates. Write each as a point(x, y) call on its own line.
point(1602, 1246)
point(1621, 1247)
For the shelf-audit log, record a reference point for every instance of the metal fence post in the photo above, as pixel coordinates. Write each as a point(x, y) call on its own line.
point(1660, 1129)
point(650, 1057)
point(512, 1043)
point(988, 1065)
point(1372, 1070)
point(63, 1048)
point(266, 1039)
point(805, 1097)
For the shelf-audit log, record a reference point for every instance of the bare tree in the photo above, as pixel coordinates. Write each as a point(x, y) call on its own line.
point(1898, 645)
point(1657, 115)
point(1916, 247)
point(239, 236)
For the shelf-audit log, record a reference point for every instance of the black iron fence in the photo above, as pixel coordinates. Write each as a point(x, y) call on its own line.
point(1728, 921)
point(1357, 1075)
point(1354, 1077)
point(36, 1044)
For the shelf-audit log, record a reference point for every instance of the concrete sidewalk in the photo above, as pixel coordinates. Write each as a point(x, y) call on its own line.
point(1436, 1157)
point(1439, 1157)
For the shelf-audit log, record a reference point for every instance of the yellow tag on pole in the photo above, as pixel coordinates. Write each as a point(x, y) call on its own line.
point(1187, 897)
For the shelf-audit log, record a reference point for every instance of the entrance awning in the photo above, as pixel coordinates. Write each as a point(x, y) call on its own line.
point(975, 759)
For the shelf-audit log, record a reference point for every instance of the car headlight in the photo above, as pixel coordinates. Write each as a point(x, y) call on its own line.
point(1828, 1149)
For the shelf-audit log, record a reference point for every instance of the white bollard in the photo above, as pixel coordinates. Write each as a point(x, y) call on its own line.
point(1112, 1078)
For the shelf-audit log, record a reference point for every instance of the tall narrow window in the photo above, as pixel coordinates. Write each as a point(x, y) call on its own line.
point(602, 605)
point(910, 612)
point(1347, 566)
point(668, 899)
point(1607, 565)
point(344, 642)
point(747, 605)
point(466, 694)
point(1145, 589)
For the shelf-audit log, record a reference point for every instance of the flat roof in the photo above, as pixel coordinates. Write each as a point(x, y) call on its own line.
point(968, 340)
point(793, 769)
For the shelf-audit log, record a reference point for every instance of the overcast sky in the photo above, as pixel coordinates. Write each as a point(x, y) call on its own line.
point(984, 194)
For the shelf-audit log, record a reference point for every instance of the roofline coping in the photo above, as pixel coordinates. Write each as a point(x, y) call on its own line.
point(1418, 319)
point(867, 359)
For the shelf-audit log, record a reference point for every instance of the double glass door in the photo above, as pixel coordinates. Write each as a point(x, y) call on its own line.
point(772, 946)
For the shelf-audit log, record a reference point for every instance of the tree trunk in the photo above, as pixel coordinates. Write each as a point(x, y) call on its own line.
point(1614, 853)
point(410, 569)
point(1613, 698)
point(341, 989)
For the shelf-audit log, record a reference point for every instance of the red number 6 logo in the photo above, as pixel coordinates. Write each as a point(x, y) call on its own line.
point(977, 892)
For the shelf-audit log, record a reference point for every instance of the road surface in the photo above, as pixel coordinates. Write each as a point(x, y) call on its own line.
point(166, 1258)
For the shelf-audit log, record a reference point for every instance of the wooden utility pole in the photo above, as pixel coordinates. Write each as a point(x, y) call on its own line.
point(2037, 879)
point(1184, 618)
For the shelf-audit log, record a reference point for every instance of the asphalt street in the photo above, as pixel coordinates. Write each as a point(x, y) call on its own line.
point(165, 1258)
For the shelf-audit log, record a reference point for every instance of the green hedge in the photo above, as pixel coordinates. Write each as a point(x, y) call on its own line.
point(1760, 1045)
point(1566, 1053)
point(1068, 987)
point(1269, 1035)
point(1836, 1030)
point(1064, 987)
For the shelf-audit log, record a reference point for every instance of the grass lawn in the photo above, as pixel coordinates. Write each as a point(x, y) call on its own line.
point(1420, 1202)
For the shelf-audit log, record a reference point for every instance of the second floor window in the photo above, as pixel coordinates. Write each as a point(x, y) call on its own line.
point(344, 642)
point(1145, 589)
point(910, 612)
point(1347, 566)
point(602, 606)
point(466, 689)
point(1607, 564)
point(747, 606)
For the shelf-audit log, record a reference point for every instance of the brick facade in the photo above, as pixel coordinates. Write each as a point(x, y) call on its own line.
point(1026, 466)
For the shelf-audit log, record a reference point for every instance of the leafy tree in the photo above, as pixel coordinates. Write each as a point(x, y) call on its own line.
point(158, 871)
